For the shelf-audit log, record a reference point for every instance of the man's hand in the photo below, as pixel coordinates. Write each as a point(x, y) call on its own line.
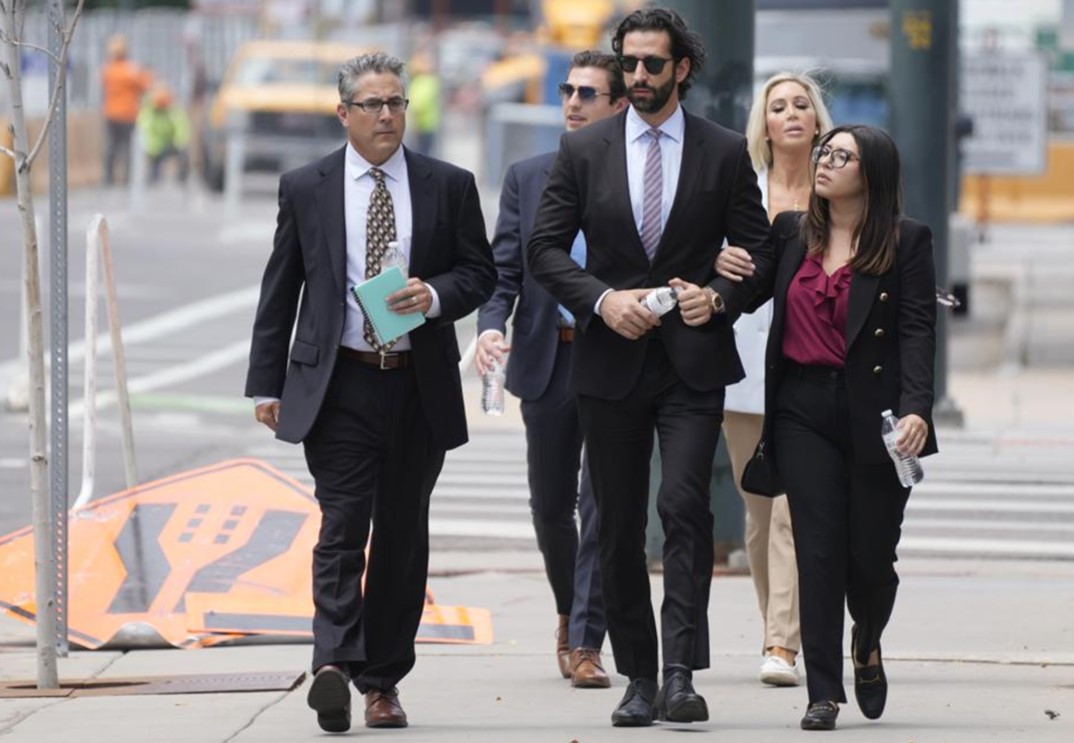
point(490, 347)
point(268, 413)
point(734, 263)
point(912, 432)
point(623, 312)
point(414, 297)
point(694, 304)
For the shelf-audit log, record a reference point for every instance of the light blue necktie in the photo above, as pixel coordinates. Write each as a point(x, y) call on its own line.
point(578, 254)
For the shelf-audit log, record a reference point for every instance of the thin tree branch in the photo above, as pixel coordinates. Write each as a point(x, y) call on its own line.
point(60, 89)
point(9, 153)
point(4, 38)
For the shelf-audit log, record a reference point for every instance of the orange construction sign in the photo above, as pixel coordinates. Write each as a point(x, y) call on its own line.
point(199, 558)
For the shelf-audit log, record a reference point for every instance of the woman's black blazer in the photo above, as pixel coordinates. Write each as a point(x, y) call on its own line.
point(891, 336)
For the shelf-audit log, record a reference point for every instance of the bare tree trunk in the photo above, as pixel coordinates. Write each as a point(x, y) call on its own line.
point(24, 152)
point(47, 677)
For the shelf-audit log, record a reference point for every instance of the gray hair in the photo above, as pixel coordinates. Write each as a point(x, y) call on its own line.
point(378, 62)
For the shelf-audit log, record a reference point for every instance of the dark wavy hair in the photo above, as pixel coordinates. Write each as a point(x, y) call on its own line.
point(606, 62)
point(685, 44)
point(876, 234)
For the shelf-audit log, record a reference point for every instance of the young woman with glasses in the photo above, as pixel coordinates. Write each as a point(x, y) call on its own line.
point(853, 334)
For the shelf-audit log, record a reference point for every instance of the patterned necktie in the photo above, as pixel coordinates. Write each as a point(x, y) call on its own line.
point(379, 231)
point(652, 196)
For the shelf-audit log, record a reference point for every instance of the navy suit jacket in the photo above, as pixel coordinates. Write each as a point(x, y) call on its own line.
point(534, 336)
point(306, 275)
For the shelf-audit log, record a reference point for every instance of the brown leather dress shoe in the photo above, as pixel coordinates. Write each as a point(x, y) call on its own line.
point(587, 672)
point(563, 648)
point(382, 709)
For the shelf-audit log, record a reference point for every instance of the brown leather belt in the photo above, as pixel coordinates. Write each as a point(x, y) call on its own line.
point(566, 335)
point(397, 360)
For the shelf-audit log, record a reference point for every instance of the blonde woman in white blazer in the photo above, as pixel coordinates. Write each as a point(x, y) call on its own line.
point(785, 121)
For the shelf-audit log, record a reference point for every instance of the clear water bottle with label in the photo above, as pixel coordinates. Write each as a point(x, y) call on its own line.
point(492, 389)
point(907, 466)
point(662, 300)
point(394, 256)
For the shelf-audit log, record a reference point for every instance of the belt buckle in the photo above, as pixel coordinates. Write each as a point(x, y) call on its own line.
point(383, 361)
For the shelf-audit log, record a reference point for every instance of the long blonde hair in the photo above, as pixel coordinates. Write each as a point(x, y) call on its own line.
point(759, 147)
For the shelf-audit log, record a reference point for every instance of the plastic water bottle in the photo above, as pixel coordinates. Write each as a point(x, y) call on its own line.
point(492, 389)
point(394, 256)
point(660, 301)
point(908, 466)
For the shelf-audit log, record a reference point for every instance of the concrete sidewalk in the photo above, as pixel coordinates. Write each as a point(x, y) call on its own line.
point(976, 651)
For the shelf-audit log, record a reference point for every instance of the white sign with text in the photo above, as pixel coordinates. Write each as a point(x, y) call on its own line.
point(1006, 95)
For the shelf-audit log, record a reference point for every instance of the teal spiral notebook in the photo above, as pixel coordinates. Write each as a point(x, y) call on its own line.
point(372, 295)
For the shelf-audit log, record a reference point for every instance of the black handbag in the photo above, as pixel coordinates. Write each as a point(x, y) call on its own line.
point(759, 476)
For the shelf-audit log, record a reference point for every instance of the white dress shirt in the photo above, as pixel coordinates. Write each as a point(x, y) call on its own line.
point(637, 149)
point(358, 186)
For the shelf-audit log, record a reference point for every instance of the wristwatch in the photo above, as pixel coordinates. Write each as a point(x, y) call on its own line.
point(715, 300)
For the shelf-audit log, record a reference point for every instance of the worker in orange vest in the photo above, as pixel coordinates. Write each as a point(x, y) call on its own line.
point(124, 83)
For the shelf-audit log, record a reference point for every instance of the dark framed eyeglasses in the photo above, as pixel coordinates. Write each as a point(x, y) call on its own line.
point(374, 105)
point(586, 93)
point(837, 158)
point(653, 65)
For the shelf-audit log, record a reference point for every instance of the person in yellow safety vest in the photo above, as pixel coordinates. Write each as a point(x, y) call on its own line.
point(424, 93)
point(165, 132)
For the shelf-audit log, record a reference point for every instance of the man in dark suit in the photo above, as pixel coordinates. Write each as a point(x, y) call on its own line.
point(655, 191)
point(375, 418)
point(537, 369)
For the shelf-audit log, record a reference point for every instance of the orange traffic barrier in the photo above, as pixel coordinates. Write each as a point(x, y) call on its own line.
point(200, 558)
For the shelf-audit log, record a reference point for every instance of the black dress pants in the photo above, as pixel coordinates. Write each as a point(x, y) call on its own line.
point(619, 443)
point(372, 457)
point(847, 518)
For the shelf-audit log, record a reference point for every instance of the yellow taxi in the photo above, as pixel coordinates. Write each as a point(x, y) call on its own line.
point(279, 98)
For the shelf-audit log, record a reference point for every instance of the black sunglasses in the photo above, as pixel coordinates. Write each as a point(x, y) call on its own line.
point(653, 65)
point(586, 93)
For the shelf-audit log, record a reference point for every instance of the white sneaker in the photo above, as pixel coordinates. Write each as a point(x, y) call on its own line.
point(778, 672)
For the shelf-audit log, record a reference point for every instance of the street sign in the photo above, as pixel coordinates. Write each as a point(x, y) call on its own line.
point(1005, 93)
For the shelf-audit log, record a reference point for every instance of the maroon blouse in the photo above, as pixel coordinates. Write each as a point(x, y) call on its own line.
point(816, 317)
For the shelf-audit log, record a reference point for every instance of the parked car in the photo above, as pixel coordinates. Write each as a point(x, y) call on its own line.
point(280, 97)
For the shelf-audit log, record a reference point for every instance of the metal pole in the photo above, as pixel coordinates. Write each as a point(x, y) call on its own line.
point(89, 373)
point(57, 191)
point(923, 32)
point(723, 89)
point(119, 357)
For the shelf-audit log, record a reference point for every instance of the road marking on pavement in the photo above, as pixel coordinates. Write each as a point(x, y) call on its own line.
point(159, 325)
point(991, 547)
point(198, 367)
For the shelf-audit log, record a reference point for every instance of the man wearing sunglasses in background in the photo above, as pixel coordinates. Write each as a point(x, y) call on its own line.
point(375, 419)
point(537, 371)
point(655, 191)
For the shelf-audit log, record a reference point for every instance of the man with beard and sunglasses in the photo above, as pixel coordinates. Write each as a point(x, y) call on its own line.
point(655, 191)
point(541, 343)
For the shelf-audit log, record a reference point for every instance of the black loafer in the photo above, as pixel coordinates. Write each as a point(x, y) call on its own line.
point(330, 696)
point(635, 710)
point(678, 702)
point(820, 716)
point(870, 683)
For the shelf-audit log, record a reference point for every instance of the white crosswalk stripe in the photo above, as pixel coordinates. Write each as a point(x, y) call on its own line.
point(995, 496)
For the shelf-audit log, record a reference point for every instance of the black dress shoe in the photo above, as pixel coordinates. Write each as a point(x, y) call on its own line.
point(330, 696)
point(820, 716)
point(870, 682)
point(678, 702)
point(636, 708)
